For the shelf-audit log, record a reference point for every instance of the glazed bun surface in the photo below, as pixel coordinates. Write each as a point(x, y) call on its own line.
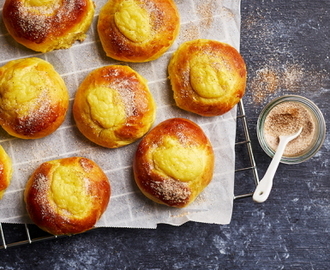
point(6, 171)
point(46, 25)
point(207, 77)
point(174, 162)
point(138, 30)
point(33, 98)
point(113, 106)
point(67, 196)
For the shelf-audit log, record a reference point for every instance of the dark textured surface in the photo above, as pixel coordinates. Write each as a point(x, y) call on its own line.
point(285, 44)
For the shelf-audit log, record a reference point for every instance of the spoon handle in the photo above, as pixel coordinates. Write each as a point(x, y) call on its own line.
point(265, 185)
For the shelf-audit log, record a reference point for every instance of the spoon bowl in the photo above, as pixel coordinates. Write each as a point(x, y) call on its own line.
point(265, 185)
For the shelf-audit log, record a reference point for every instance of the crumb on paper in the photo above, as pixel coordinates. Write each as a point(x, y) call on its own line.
point(183, 214)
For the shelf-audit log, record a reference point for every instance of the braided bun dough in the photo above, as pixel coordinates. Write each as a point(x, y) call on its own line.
point(67, 196)
point(6, 171)
point(113, 106)
point(174, 162)
point(33, 98)
point(208, 77)
point(138, 30)
point(46, 25)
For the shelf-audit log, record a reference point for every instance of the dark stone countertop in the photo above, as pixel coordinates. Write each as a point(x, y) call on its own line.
point(286, 48)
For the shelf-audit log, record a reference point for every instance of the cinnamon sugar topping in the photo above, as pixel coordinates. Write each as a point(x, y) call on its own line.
point(171, 191)
point(86, 164)
point(157, 15)
point(36, 22)
point(41, 186)
point(125, 87)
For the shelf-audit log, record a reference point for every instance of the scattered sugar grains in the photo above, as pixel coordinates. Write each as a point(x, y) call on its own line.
point(280, 72)
point(40, 21)
point(183, 214)
point(205, 11)
point(191, 32)
point(41, 185)
point(269, 80)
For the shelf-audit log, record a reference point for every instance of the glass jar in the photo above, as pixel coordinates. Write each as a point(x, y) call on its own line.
point(318, 121)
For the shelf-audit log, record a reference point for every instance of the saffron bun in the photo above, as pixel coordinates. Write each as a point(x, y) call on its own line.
point(174, 162)
point(33, 98)
point(67, 196)
point(113, 106)
point(46, 25)
point(138, 30)
point(208, 77)
point(6, 171)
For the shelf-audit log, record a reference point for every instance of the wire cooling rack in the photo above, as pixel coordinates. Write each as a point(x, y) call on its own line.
point(246, 178)
point(246, 168)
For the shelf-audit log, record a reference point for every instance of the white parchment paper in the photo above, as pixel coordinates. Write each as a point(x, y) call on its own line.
point(211, 19)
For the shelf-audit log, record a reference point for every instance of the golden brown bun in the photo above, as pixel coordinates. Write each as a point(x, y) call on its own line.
point(6, 171)
point(208, 77)
point(174, 162)
point(67, 196)
point(138, 30)
point(113, 106)
point(33, 98)
point(46, 25)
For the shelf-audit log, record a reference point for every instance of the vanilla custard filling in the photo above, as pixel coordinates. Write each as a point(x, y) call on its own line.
point(70, 192)
point(206, 79)
point(179, 162)
point(21, 89)
point(106, 107)
point(133, 21)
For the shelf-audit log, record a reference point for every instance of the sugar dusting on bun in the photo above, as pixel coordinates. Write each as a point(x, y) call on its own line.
point(67, 196)
point(113, 106)
point(138, 30)
point(174, 162)
point(33, 98)
point(46, 25)
point(208, 77)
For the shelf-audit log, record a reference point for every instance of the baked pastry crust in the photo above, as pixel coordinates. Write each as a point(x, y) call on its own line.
point(174, 162)
point(33, 98)
point(6, 171)
point(138, 30)
point(67, 196)
point(46, 25)
point(113, 106)
point(207, 77)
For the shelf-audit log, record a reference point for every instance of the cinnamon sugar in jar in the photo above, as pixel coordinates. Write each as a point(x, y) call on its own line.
point(284, 116)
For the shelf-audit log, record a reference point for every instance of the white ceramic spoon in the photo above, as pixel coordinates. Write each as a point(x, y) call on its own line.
point(265, 185)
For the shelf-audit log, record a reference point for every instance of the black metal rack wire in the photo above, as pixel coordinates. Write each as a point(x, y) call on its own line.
point(20, 234)
point(246, 168)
